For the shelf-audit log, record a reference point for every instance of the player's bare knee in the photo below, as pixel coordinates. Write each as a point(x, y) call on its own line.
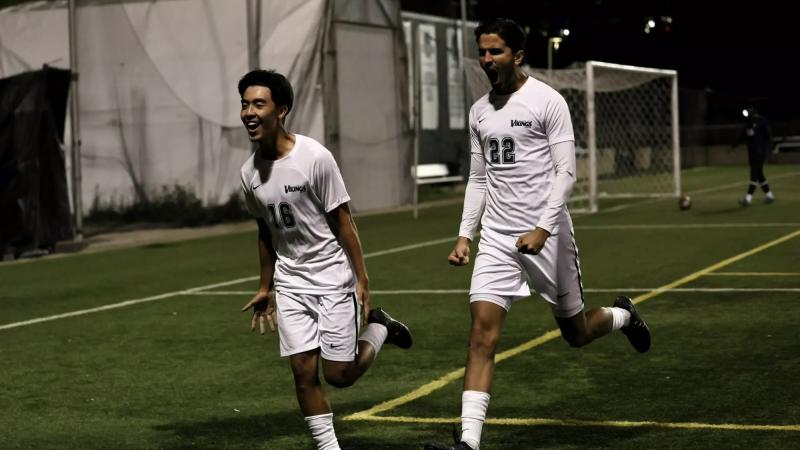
point(338, 379)
point(483, 341)
point(338, 382)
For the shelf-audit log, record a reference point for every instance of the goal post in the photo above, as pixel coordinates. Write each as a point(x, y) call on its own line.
point(625, 120)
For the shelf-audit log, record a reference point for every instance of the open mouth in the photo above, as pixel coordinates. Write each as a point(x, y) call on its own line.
point(251, 126)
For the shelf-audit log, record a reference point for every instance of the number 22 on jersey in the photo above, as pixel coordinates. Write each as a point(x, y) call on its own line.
point(506, 146)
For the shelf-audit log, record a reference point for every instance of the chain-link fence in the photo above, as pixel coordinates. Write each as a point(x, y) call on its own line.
point(626, 130)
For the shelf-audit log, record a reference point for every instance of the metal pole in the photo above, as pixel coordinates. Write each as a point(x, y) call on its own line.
point(549, 60)
point(676, 137)
point(415, 47)
point(253, 33)
point(75, 125)
point(464, 43)
point(590, 121)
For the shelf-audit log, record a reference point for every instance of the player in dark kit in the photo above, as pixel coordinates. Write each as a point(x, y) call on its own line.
point(758, 135)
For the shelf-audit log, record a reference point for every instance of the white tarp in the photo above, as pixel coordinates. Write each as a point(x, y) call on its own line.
point(158, 97)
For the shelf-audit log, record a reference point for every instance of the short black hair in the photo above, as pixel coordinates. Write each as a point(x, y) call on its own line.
point(507, 29)
point(279, 86)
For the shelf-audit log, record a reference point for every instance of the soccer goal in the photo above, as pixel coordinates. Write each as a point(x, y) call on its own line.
point(626, 130)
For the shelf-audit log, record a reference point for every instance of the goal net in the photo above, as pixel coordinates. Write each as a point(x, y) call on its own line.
point(626, 130)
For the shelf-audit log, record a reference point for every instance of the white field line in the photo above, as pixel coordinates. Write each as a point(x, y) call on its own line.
point(194, 290)
point(411, 247)
point(124, 303)
point(466, 291)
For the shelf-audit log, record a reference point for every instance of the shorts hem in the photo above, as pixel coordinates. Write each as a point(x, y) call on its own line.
point(335, 358)
point(503, 301)
point(296, 351)
point(565, 313)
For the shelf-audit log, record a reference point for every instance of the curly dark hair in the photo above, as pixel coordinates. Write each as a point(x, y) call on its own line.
point(507, 29)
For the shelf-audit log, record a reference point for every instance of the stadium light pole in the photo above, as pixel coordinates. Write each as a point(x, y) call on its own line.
point(552, 45)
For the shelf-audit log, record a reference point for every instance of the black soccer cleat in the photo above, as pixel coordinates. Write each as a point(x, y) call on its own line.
point(637, 331)
point(399, 334)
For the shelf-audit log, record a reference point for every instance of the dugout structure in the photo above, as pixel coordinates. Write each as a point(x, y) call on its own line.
point(626, 130)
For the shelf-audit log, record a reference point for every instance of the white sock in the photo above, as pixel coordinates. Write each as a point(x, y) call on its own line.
point(620, 317)
point(322, 431)
point(375, 334)
point(748, 198)
point(770, 194)
point(473, 413)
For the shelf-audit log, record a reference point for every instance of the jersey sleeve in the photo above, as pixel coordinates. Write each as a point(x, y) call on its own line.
point(475, 194)
point(249, 198)
point(563, 155)
point(327, 182)
point(474, 139)
point(557, 120)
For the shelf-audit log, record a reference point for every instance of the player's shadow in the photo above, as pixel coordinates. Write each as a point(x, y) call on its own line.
point(239, 431)
point(722, 211)
point(260, 431)
point(531, 437)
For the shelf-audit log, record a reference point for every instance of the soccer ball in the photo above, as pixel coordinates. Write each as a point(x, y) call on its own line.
point(684, 203)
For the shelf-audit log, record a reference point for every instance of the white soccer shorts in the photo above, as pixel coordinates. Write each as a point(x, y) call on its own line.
point(330, 322)
point(502, 275)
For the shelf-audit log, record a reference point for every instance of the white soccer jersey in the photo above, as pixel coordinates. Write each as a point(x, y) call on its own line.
point(292, 195)
point(514, 133)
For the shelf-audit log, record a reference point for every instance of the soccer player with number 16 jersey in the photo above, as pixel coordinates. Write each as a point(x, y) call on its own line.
point(313, 277)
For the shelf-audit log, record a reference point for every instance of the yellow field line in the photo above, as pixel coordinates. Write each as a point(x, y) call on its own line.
point(591, 423)
point(441, 382)
point(754, 274)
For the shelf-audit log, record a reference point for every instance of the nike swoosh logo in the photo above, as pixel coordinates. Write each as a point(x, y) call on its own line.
point(563, 295)
point(256, 187)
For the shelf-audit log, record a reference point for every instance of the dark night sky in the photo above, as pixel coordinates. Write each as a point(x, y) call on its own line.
point(745, 52)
